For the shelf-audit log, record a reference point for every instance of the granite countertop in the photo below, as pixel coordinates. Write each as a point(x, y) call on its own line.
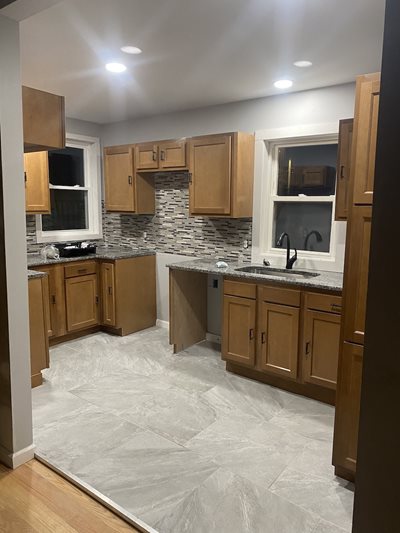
point(101, 253)
point(32, 274)
point(329, 281)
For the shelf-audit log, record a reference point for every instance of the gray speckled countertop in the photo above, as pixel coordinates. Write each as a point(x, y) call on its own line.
point(329, 281)
point(32, 274)
point(113, 253)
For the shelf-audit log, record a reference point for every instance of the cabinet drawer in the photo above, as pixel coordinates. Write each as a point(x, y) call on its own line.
point(80, 269)
point(324, 302)
point(280, 296)
point(241, 289)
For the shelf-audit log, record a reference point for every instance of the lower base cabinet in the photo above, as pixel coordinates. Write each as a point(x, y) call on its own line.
point(348, 410)
point(82, 302)
point(38, 327)
point(280, 335)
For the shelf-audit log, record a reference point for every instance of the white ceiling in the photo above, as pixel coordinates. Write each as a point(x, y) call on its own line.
point(195, 52)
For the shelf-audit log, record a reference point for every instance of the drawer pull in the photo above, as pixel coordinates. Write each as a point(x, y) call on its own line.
point(251, 334)
point(154, 156)
point(336, 307)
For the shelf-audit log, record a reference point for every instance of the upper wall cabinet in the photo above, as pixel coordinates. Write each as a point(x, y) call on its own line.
point(365, 136)
point(44, 120)
point(222, 174)
point(125, 190)
point(343, 186)
point(37, 192)
point(165, 155)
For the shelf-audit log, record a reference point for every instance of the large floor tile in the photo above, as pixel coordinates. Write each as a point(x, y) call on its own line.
point(225, 502)
point(147, 475)
point(331, 500)
point(82, 436)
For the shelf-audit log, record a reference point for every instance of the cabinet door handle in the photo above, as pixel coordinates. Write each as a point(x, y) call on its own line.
point(154, 155)
point(130, 180)
point(342, 172)
point(97, 300)
point(251, 334)
point(53, 299)
point(25, 177)
point(190, 177)
point(308, 348)
point(162, 155)
point(110, 291)
point(263, 337)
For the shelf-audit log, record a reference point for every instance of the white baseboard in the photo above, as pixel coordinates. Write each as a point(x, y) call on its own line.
point(213, 338)
point(14, 460)
point(162, 323)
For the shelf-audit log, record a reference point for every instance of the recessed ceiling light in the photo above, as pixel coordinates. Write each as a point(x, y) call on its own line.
point(115, 67)
point(302, 63)
point(131, 49)
point(283, 84)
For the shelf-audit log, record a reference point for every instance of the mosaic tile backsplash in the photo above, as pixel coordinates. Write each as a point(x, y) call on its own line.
point(171, 230)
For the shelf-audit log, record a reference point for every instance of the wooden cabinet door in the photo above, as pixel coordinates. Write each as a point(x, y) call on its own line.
point(146, 156)
point(56, 296)
point(210, 163)
point(365, 136)
point(38, 331)
point(278, 331)
point(343, 167)
point(119, 179)
point(348, 399)
point(82, 302)
point(108, 293)
point(172, 154)
point(238, 337)
point(356, 273)
point(44, 120)
point(321, 348)
point(37, 191)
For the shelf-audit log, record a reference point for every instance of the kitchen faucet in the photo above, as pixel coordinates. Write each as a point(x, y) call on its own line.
point(313, 232)
point(289, 260)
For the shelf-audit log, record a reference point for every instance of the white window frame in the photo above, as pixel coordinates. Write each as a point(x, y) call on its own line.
point(91, 147)
point(265, 188)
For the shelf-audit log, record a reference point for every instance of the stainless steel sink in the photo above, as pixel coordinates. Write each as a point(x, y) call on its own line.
point(279, 272)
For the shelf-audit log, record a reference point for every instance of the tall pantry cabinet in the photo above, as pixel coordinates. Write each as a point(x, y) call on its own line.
point(356, 275)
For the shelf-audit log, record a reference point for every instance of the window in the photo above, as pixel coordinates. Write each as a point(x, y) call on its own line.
point(295, 185)
point(74, 192)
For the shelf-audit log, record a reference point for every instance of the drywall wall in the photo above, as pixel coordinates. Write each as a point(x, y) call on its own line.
point(15, 388)
point(308, 107)
point(82, 127)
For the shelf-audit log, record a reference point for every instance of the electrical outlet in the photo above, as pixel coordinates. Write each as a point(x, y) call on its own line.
point(245, 244)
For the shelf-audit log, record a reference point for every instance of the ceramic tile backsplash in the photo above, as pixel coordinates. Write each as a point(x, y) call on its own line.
point(171, 230)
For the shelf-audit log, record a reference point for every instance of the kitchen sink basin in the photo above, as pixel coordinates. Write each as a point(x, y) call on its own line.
point(279, 272)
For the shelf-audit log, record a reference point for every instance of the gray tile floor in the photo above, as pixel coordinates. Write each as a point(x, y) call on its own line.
point(185, 446)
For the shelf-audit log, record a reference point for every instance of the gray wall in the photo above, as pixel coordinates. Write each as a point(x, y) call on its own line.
point(15, 391)
point(309, 107)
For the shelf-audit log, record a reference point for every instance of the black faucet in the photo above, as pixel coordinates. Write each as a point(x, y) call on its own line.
point(290, 261)
point(313, 232)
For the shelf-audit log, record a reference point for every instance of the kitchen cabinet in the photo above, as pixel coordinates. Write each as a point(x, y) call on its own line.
point(44, 120)
point(321, 340)
point(38, 328)
point(82, 302)
point(278, 331)
point(56, 299)
point(108, 294)
point(356, 275)
point(348, 410)
point(222, 173)
point(343, 169)
point(163, 155)
point(125, 190)
point(239, 338)
point(37, 191)
point(285, 336)
point(365, 137)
